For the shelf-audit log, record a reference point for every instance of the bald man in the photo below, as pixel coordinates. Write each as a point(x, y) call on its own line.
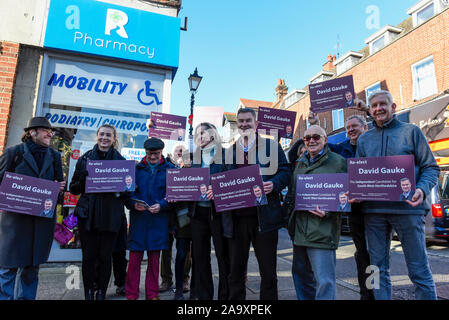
point(314, 246)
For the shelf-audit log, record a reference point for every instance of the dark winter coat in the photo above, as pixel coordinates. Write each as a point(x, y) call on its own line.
point(149, 231)
point(26, 240)
point(105, 211)
point(271, 216)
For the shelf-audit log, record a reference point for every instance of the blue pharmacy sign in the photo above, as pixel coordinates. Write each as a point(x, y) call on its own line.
point(105, 29)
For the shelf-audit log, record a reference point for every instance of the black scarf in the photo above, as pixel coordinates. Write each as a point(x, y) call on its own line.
point(38, 152)
point(97, 154)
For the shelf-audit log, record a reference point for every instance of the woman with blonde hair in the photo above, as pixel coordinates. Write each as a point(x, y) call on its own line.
point(99, 216)
point(205, 222)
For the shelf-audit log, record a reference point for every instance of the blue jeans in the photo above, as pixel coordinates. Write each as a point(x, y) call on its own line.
point(182, 246)
point(410, 230)
point(313, 273)
point(26, 287)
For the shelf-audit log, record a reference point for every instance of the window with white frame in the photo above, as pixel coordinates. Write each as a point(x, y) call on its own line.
point(338, 120)
point(378, 44)
point(424, 80)
point(371, 89)
point(425, 14)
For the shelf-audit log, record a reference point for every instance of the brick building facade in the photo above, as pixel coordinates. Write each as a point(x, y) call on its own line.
point(9, 55)
point(391, 67)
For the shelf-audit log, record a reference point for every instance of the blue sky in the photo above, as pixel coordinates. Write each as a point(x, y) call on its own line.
point(241, 48)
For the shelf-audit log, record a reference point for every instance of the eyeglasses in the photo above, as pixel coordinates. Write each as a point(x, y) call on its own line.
point(315, 137)
point(47, 131)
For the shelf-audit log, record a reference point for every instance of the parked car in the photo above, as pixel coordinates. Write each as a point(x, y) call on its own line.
point(437, 222)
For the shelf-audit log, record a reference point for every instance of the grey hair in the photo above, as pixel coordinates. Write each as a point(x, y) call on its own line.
point(381, 92)
point(361, 119)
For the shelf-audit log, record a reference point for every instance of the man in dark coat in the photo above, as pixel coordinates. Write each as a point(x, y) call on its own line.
point(256, 225)
point(25, 240)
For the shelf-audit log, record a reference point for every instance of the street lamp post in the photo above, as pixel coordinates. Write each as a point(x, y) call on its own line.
point(194, 82)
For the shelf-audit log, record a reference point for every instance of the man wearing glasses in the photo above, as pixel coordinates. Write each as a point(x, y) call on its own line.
point(355, 126)
point(315, 233)
point(25, 240)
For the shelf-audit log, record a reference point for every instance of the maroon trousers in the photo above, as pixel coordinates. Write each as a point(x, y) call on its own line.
point(151, 278)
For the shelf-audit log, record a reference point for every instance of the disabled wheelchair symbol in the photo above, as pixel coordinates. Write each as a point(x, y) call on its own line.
point(149, 93)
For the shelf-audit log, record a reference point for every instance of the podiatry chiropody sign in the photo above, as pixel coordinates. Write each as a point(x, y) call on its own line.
point(382, 178)
point(28, 195)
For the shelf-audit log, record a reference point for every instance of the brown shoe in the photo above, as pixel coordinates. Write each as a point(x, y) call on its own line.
point(156, 298)
point(165, 286)
point(186, 287)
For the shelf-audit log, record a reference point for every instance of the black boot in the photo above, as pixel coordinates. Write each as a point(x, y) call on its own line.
point(89, 294)
point(99, 295)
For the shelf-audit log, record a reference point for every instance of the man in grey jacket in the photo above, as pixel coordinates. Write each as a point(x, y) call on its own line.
point(391, 137)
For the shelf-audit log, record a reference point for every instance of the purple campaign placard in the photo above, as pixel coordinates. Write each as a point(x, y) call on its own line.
point(324, 190)
point(281, 120)
point(333, 94)
point(167, 126)
point(382, 178)
point(28, 195)
point(110, 176)
point(187, 184)
point(239, 188)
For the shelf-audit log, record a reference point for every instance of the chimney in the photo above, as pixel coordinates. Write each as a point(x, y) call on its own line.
point(329, 65)
point(281, 89)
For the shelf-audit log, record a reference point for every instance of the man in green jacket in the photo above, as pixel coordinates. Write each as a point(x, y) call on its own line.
point(315, 233)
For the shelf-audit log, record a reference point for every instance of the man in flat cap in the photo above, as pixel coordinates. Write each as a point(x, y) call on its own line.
point(148, 226)
point(25, 240)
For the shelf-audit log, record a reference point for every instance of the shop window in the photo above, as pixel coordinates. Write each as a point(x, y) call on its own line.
point(79, 96)
point(424, 80)
point(338, 120)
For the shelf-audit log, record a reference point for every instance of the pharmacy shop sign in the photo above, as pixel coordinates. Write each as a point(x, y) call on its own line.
point(100, 28)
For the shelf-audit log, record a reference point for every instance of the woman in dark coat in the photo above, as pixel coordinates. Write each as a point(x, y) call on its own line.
point(99, 217)
point(206, 223)
point(25, 240)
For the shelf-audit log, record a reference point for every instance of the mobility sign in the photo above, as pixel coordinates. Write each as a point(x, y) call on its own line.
point(105, 29)
point(327, 191)
point(333, 94)
point(167, 126)
point(188, 184)
point(382, 178)
point(281, 120)
point(109, 88)
point(28, 195)
point(110, 176)
point(239, 188)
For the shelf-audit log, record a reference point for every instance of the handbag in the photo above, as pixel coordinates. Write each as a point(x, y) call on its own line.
point(62, 234)
point(82, 208)
point(70, 221)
